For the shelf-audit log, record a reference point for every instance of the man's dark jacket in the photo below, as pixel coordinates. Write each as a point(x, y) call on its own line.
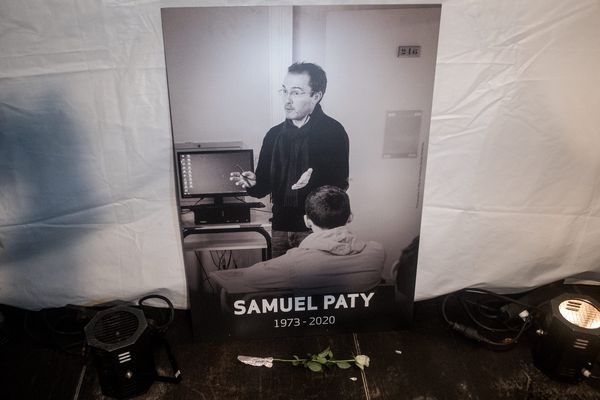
point(287, 151)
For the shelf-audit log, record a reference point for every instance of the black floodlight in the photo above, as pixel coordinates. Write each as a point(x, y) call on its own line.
point(568, 337)
point(122, 351)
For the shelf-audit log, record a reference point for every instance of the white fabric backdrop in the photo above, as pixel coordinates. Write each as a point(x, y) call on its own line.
point(87, 203)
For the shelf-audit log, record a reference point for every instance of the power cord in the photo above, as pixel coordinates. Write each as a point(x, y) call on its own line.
point(191, 207)
point(207, 278)
point(159, 331)
point(493, 314)
point(160, 328)
point(57, 328)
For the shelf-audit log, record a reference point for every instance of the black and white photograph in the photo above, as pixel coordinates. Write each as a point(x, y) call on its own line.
point(256, 200)
point(300, 149)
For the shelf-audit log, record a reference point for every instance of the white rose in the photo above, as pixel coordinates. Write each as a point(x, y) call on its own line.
point(361, 361)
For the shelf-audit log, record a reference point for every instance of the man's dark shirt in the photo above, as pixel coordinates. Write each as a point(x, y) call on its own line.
point(287, 151)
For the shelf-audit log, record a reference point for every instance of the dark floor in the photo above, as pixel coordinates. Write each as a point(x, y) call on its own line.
point(426, 362)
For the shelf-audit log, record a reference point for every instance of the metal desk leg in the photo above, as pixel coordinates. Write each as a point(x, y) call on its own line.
point(266, 253)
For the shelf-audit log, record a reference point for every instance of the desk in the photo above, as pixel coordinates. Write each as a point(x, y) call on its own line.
point(241, 236)
point(204, 303)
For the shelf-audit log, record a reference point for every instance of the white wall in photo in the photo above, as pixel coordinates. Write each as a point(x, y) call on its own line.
point(369, 83)
point(221, 73)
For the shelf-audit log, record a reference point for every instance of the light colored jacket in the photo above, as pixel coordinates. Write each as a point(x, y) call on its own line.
point(331, 261)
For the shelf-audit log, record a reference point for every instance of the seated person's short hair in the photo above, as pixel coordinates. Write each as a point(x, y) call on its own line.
point(328, 207)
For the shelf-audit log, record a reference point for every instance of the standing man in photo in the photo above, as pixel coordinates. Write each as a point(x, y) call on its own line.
point(308, 150)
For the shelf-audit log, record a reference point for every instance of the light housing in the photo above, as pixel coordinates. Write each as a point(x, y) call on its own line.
point(568, 336)
point(120, 344)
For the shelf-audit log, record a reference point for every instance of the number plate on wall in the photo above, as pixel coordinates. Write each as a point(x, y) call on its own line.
point(409, 51)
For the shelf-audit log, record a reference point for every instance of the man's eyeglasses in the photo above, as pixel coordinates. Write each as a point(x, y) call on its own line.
point(294, 93)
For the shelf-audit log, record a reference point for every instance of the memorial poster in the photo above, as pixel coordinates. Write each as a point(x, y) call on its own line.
point(300, 141)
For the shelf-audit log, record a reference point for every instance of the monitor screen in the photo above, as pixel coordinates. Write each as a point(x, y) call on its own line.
point(206, 172)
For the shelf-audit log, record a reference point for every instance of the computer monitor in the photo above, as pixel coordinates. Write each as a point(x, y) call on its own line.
point(205, 173)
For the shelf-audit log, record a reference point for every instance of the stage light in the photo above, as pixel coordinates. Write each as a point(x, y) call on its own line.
point(122, 351)
point(568, 337)
point(122, 344)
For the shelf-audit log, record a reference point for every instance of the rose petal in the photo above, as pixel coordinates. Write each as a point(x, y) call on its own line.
point(257, 361)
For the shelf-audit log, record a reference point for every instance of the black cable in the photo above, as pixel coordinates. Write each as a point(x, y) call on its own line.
point(493, 313)
point(163, 327)
point(477, 322)
point(219, 259)
point(510, 342)
point(501, 314)
point(46, 340)
point(500, 296)
point(526, 325)
point(222, 258)
point(229, 260)
point(52, 327)
point(192, 206)
point(472, 333)
point(217, 266)
point(79, 344)
point(176, 378)
point(444, 310)
point(207, 279)
point(484, 309)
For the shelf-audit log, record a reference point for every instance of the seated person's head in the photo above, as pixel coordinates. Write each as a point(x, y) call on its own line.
point(327, 207)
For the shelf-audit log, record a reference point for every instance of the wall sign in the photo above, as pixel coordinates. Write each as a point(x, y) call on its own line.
point(409, 51)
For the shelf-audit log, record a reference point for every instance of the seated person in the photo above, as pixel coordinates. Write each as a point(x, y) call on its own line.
point(329, 260)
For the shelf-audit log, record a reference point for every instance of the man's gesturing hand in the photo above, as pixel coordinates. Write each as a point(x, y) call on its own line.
point(304, 179)
point(245, 179)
